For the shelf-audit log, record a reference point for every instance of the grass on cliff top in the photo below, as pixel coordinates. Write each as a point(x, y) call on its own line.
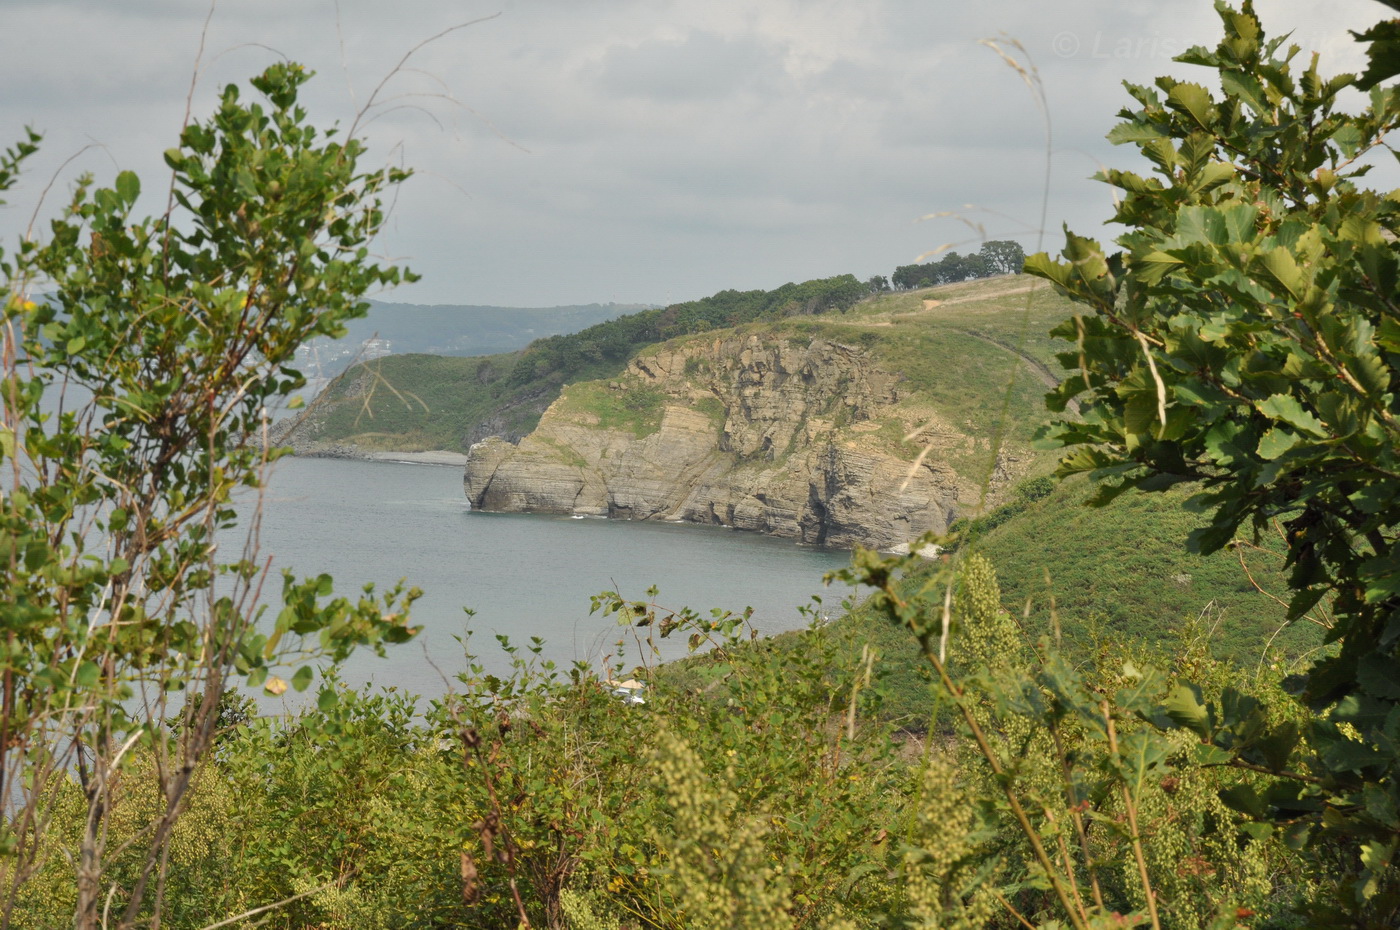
point(1116, 574)
point(626, 407)
point(980, 358)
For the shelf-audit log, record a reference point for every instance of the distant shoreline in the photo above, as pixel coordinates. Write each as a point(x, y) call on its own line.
point(340, 451)
point(436, 457)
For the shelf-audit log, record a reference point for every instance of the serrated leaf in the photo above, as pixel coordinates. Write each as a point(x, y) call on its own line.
point(1134, 131)
point(1240, 222)
point(1376, 857)
point(1229, 443)
point(1366, 364)
point(1277, 747)
point(1083, 459)
point(1196, 223)
point(1275, 442)
point(1043, 266)
point(1212, 175)
point(1287, 408)
point(1185, 708)
point(1194, 100)
point(1245, 87)
point(1154, 266)
point(1279, 266)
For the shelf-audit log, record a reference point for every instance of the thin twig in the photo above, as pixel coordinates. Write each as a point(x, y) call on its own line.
point(265, 908)
point(1131, 807)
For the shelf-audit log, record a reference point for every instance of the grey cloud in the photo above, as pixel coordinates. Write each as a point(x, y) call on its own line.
point(702, 66)
point(675, 147)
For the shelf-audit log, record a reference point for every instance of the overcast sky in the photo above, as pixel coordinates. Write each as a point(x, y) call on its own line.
point(573, 151)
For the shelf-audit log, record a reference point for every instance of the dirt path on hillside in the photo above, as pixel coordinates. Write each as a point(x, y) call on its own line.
point(963, 300)
point(1037, 367)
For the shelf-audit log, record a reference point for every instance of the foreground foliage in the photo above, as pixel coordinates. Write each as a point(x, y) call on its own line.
point(139, 356)
point(759, 786)
point(1247, 337)
point(1243, 341)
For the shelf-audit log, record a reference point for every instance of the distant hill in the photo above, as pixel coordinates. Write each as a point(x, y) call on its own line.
point(449, 329)
point(424, 400)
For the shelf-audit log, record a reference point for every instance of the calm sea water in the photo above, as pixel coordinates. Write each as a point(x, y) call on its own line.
point(522, 575)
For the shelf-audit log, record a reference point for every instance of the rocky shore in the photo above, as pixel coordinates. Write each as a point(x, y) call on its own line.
point(776, 436)
point(283, 432)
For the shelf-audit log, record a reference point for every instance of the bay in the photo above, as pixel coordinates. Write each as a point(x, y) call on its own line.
point(523, 575)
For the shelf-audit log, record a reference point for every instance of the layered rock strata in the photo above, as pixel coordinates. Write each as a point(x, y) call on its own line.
point(774, 435)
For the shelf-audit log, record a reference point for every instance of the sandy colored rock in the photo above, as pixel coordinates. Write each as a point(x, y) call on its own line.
point(770, 435)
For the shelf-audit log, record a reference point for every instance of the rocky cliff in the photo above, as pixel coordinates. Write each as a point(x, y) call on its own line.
point(790, 434)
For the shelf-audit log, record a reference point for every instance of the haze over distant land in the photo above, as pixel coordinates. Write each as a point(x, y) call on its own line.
point(628, 151)
point(396, 329)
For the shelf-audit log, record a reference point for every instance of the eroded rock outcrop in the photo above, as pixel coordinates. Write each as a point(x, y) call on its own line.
point(787, 436)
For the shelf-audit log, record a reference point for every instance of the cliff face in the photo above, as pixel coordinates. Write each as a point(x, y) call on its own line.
point(793, 437)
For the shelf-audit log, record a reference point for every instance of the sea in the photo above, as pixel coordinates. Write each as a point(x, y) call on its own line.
point(526, 577)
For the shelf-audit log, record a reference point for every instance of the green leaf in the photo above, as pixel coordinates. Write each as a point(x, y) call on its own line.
point(128, 187)
point(1286, 407)
point(1277, 747)
point(1230, 443)
point(1240, 222)
point(302, 678)
point(1134, 131)
point(1154, 266)
point(1275, 442)
point(87, 675)
point(1210, 754)
point(1246, 87)
point(1242, 798)
point(1194, 100)
point(1379, 675)
point(1376, 857)
point(1185, 708)
point(1279, 266)
point(1383, 53)
point(1043, 266)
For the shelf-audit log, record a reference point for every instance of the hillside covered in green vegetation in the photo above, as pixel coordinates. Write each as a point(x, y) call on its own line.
point(414, 402)
point(957, 353)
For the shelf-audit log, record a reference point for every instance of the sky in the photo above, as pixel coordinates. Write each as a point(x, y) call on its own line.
point(643, 151)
